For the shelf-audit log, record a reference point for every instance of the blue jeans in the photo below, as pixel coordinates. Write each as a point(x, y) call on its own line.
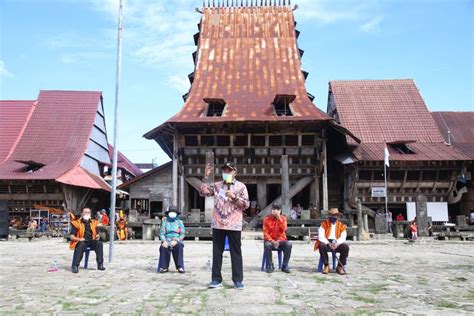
point(165, 256)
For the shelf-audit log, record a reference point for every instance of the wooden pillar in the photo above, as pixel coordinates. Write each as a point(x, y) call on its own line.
point(316, 190)
point(422, 216)
point(209, 201)
point(285, 184)
point(360, 221)
point(325, 178)
point(261, 193)
point(174, 176)
point(181, 192)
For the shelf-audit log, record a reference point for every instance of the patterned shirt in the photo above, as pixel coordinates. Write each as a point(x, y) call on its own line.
point(170, 230)
point(227, 213)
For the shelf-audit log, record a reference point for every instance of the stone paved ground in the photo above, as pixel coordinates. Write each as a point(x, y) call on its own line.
point(387, 277)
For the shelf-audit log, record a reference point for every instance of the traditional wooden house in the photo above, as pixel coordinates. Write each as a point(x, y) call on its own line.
point(248, 103)
point(392, 114)
point(457, 129)
point(53, 151)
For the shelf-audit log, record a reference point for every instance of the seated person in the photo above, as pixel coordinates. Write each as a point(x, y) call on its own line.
point(122, 231)
point(274, 234)
point(332, 237)
point(172, 233)
point(84, 234)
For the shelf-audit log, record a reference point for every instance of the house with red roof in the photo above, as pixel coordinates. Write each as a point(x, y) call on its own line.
point(248, 103)
point(53, 152)
point(390, 114)
point(457, 129)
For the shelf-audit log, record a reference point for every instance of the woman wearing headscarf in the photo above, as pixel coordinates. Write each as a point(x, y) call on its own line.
point(172, 234)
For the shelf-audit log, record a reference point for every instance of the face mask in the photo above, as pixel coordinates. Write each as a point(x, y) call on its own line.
point(332, 219)
point(172, 214)
point(227, 177)
point(86, 217)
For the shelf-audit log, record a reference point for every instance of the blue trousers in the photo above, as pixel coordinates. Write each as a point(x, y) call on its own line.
point(165, 256)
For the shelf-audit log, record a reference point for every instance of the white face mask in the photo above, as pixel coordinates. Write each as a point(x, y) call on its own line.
point(172, 214)
point(227, 177)
point(86, 217)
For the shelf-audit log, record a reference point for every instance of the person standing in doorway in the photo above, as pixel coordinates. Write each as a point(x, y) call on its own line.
point(230, 200)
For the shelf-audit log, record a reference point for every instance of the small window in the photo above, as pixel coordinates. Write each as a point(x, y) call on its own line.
point(223, 140)
point(307, 140)
point(191, 140)
point(401, 148)
point(291, 140)
point(413, 175)
point(241, 140)
point(30, 165)
point(365, 175)
point(207, 140)
point(258, 140)
point(275, 140)
point(281, 103)
point(215, 107)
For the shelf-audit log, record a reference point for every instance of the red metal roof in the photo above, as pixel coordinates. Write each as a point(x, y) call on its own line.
point(246, 56)
point(80, 177)
point(124, 162)
point(14, 115)
point(384, 111)
point(56, 135)
point(461, 126)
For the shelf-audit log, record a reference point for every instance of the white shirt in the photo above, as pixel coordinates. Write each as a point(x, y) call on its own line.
point(294, 214)
point(332, 235)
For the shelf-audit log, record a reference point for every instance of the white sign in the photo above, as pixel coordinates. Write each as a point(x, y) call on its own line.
point(378, 192)
point(437, 210)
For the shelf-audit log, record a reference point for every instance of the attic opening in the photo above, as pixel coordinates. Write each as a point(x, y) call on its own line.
point(215, 107)
point(30, 165)
point(282, 103)
point(401, 148)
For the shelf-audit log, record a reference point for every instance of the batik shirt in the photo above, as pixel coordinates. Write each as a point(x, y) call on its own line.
point(170, 230)
point(227, 213)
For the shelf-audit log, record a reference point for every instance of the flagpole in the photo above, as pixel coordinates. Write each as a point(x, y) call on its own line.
point(113, 195)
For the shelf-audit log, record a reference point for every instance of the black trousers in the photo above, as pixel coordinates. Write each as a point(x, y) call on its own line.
point(284, 245)
point(81, 246)
point(218, 244)
point(343, 249)
point(176, 251)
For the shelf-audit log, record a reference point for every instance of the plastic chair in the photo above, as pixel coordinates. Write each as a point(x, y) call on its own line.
point(86, 256)
point(334, 262)
point(264, 259)
point(226, 245)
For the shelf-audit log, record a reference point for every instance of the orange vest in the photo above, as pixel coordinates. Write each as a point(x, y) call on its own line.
point(81, 228)
point(340, 227)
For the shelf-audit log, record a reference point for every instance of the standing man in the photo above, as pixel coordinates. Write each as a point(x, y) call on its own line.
point(274, 234)
point(84, 234)
point(389, 221)
point(332, 237)
point(230, 200)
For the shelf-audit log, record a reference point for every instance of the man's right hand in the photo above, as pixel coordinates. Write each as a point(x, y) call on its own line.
point(207, 171)
point(165, 244)
point(275, 244)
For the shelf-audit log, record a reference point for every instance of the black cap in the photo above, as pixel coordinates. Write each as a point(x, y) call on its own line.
point(229, 164)
point(276, 206)
point(172, 208)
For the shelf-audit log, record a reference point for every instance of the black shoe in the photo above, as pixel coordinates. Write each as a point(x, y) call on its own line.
point(270, 268)
point(100, 267)
point(181, 270)
point(162, 270)
point(75, 269)
point(285, 269)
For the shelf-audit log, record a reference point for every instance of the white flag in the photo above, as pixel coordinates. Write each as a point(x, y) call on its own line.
point(386, 155)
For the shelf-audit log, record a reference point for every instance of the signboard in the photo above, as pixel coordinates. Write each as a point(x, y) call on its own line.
point(378, 192)
point(438, 211)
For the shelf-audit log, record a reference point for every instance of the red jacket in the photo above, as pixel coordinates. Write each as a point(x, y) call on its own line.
point(273, 229)
point(105, 220)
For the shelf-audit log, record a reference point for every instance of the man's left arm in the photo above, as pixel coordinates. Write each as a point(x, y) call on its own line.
point(242, 199)
point(342, 238)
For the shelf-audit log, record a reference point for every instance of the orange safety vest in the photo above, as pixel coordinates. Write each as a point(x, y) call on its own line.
point(81, 228)
point(340, 227)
